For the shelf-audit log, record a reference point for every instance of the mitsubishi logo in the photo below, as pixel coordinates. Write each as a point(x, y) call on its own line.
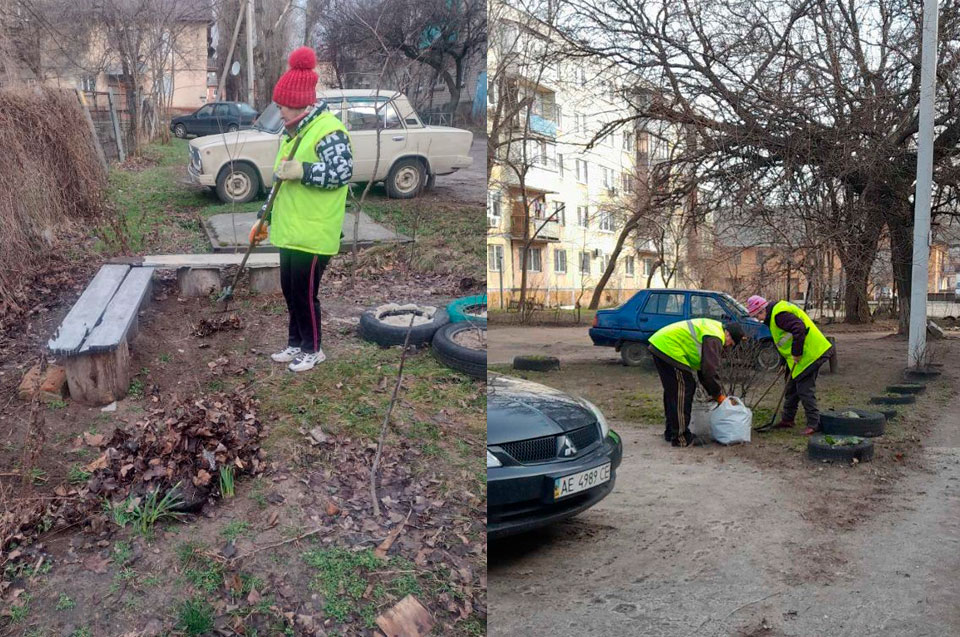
point(565, 447)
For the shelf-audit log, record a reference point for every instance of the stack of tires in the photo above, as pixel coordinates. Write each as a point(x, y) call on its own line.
point(457, 334)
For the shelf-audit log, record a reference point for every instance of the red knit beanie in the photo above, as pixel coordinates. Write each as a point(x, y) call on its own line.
point(297, 88)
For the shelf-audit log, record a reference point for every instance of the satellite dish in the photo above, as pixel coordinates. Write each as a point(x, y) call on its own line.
point(235, 68)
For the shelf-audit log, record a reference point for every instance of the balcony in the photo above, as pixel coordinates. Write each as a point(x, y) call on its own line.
point(543, 119)
point(544, 230)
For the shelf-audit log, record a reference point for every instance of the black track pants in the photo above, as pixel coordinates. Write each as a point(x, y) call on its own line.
point(300, 274)
point(678, 389)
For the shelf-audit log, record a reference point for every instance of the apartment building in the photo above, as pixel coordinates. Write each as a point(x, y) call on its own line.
point(573, 192)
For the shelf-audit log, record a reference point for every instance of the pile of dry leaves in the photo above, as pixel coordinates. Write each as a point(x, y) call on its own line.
point(186, 443)
point(206, 327)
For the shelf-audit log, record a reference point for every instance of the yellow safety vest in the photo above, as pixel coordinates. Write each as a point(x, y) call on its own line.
point(815, 344)
point(683, 341)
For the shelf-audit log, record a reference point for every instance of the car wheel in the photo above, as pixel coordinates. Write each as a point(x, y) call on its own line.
point(232, 128)
point(768, 358)
point(406, 179)
point(238, 183)
point(180, 131)
point(431, 182)
point(632, 353)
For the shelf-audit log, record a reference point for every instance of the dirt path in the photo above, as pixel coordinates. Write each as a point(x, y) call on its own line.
point(468, 185)
point(718, 542)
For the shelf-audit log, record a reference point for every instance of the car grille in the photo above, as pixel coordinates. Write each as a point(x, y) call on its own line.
point(545, 448)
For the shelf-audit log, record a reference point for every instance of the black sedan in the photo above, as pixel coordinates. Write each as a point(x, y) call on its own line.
point(549, 456)
point(216, 117)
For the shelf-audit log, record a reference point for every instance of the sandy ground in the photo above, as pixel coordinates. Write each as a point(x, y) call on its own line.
point(468, 185)
point(752, 540)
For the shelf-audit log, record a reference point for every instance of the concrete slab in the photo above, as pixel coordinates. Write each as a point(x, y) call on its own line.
point(230, 232)
point(201, 261)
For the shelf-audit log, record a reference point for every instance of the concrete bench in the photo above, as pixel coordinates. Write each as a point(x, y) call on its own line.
point(93, 338)
point(199, 275)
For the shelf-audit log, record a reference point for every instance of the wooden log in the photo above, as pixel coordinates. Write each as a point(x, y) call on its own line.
point(194, 282)
point(99, 378)
point(265, 280)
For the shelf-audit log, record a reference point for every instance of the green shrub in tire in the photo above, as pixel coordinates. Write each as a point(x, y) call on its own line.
point(839, 448)
point(468, 308)
point(387, 325)
point(463, 347)
point(852, 422)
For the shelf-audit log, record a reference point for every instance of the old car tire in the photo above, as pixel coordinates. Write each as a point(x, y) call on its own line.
point(903, 399)
point(868, 425)
point(818, 449)
point(907, 388)
point(376, 331)
point(406, 179)
point(633, 353)
point(472, 362)
point(180, 131)
point(457, 310)
point(889, 414)
point(768, 358)
point(921, 374)
point(238, 183)
point(536, 363)
point(232, 128)
point(431, 182)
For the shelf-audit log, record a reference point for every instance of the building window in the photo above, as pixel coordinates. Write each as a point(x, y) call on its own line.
point(494, 258)
point(538, 209)
point(493, 203)
point(628, 142)
point(647, 267)
point(606, 221)
point(533, 260)
point(559, 112)
point(628, 266)
point(88, 83)
point(584, 263)
point(627, 183)
point(560, 261)
point(559, 213)
point(583, 216)
point(560, 164)
point(582, 171)
point(607, 177)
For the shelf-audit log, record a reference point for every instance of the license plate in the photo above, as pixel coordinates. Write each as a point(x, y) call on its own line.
point(577, 482)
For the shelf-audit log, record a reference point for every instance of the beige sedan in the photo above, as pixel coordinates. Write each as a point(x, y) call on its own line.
point(239, 165)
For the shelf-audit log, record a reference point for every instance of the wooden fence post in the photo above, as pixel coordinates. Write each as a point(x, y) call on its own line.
point(116, 126)
point(93, 129)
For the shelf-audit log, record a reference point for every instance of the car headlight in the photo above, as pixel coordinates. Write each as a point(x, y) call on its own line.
point(492, 460)
point(604, 425)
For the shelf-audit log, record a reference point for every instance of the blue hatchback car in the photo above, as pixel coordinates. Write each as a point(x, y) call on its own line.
point(629, 327)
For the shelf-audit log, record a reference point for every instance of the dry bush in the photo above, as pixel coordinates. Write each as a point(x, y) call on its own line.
point(53, 184)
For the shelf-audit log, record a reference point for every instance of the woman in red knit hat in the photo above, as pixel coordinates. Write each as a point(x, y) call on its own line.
point(308, 209)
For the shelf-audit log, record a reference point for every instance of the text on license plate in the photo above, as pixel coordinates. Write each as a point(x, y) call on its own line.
point(568, 485)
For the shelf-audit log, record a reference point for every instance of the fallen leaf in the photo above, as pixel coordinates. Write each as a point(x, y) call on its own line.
point(202, 478)
point(332, 509)
point(96, 563)
point(272, 520)
point(253, 597)
point(94, 440)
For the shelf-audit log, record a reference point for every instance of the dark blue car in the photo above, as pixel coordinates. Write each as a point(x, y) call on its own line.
point(629, 327)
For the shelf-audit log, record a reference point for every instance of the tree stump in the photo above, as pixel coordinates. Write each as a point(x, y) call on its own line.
point(99, 378)
point(195, 282)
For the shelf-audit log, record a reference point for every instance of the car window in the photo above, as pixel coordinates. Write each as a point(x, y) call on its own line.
point(664, 303)
point(247, 110)
point(222, 110)
point(703, 306)
point(206, 111)
point(362, 114)
point(734, 303)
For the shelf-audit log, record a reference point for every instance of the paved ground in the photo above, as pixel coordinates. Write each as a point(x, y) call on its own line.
point(715, 541)
point(228, 232)
point(468, 185)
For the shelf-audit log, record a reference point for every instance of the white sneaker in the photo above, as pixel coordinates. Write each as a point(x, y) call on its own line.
point(305, 361)
point(286, 355)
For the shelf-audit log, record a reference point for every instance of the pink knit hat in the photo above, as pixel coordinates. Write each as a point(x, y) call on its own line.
point(297, 88)
point(754, 304)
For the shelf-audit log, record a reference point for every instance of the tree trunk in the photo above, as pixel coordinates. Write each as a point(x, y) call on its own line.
point(901, 254)
point(611, 266)
point(856, 308)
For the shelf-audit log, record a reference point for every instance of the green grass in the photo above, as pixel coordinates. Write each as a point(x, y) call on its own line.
point(227, 487)
point(143, 515)
point(199, 569)
point(307, 399)
point(121, 552)
point(235, 529)
point(65, 603)
point(22, 611)
point(76, 474)
point(342, 578)
point(195, 616)
point(83, 631)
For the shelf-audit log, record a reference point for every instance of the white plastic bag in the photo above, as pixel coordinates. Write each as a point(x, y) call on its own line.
point(700, 420)
point(731, 422)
